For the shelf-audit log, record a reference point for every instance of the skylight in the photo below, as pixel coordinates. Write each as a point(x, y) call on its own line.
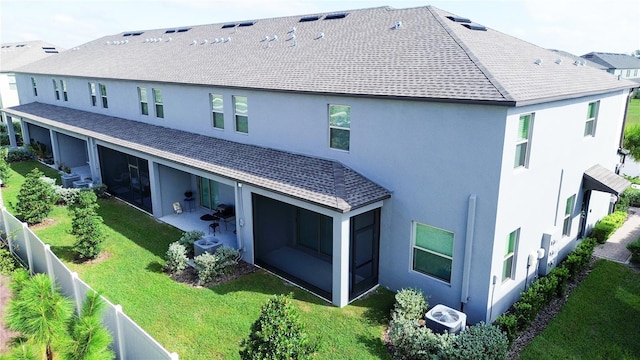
point(474, 26)
point(133, 34)
point(336, 16)
point(310, 18)
point(170, 31)
point(227, 26)
point(183, 30)
point(458, 19)
point(49, 50)
point(248, 23)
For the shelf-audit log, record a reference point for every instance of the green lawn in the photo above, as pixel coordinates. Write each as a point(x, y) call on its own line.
point(633, 113)
point(202, 323)
point(601, 319)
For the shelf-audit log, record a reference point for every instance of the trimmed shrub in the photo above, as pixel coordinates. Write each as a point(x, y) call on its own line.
point(509, 325)
point(524, 313)
point(561, 273)
point(210, 266)
point(86, 225)
point(100, 190)
point(227, 258)
point(18, 154)
point(176, 258)
point(603, 229)
point(634, 247)
point(35, 199)
point(410, 304)
point(411, 341)
point(65, 196)
point(5, 170)
point(278, 333)
point(481, 341)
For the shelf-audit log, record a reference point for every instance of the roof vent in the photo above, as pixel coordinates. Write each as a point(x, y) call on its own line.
point(458, 19)
point(397, 25)
point(227, 26)
point(194, 42)
point(265, 38)
point(292, 30)
point(474, 26)
point(538, 62)
point(336, 16)
point(558, 61)
point(248, 23)
point(134, 33)
point(227, 39)
point(320, 36)
point(291, 37)
point(49, 50)
point(169, 39)
point(204, 42)
point(309, 18)
point(274, 38)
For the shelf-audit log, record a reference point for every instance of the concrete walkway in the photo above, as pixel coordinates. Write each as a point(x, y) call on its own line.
point(615, 249)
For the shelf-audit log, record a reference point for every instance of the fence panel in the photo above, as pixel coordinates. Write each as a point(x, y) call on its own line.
point(39, 262)
point(138, 344)
point(63, 278)
point(14, 231)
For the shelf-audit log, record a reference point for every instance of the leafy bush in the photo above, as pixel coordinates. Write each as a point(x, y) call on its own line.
point(278, 333)
point(634, 247)
point(481, 341)
point(35, 199)
point(100, 190)
point(561, 273)
point(210, 266)
point(410, 304)
point(509, 325)
point(18, 154)
point(5, 170)
point(412, 341)
point(86, 225)
point(176, 258)
point(603, 229)
point(524, 313)
point(65, 196)
point(7, 262)
point(188, 238)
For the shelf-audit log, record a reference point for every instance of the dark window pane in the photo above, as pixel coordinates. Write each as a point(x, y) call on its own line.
point(339, 139)
point(242, 124)
point(432, 264)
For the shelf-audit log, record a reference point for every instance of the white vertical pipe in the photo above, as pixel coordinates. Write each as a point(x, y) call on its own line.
point(468, 249)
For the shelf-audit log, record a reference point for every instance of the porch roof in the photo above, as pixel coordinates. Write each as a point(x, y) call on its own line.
point(602, 179)
point(323, 182)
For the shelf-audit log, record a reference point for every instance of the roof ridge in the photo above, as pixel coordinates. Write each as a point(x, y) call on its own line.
point(496, 84)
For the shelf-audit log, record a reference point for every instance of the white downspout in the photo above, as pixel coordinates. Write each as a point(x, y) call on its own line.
point(468, 249)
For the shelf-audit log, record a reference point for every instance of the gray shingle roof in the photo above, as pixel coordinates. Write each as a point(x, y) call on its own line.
point(614, 61)
point(323, 182)
point(15, 55)
point(427, 57)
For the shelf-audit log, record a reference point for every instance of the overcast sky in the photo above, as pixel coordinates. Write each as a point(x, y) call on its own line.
point(576, 26)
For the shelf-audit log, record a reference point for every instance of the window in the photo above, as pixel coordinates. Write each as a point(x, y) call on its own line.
point(56, 89)
point(144, 103)
point(217, 111)
point(509, 264)
point(157, 98)
point(432, 251)
point(103, 94)
point(241, 108)
point(522, 142)
point(92, 93)
point(339, 126)
point(592, 115)
point(63, 85)
point(566, 226)
point(12, 81)
point(628, 73)
point(34, 84)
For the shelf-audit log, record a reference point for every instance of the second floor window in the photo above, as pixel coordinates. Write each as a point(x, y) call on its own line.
point(63, 86)
point(103, 94)
point(144, 103)
point(157, 98)
point(34, 85)
point(12, 81)
point(92, 94)
point(522, 141)
point(217, 111)
point(56, 89)
point(566, 225)
point(241, 111)
point(592, 116)
point(339, 127)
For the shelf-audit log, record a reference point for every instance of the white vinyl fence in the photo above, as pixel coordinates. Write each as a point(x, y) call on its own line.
point(129, 340)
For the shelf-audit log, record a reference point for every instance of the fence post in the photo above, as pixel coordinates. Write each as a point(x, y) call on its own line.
point(76, 296)
point(7, 231)
point(174, 356)
point(47, 260)
point(27, 245)
point(121, 350)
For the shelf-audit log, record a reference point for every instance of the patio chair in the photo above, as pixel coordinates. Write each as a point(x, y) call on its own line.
point(177, 208)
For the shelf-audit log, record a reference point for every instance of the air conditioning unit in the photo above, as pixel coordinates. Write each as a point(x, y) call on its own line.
point(445, 319)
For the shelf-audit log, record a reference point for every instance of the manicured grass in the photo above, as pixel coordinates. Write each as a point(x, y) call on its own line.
point(633, 113)
point(601, 319)
point(202, 323)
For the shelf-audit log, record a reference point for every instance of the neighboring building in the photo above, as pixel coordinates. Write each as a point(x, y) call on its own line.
point(13, 56)
point(400, 147)
point(623, 65)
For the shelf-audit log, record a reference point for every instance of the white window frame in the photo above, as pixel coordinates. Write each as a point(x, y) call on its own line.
point(158, 105)
point(237, 113)
point(510, 256)
point(524, 162)
point(103, 95)
point(93, 94)
point(12, 81)
point(568, 215)
point(592, 121)
point(217, 112)
point(144, 100)
point(415, 247)
point(34, 85)
point(340, 128)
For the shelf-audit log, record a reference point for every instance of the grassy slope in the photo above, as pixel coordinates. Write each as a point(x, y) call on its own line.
point(601, 319)
point(633, 113)
point(201, 323)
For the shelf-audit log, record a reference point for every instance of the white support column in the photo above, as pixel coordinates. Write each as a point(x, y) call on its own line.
point(26, 137)
point(27, 245)
point(156, 190)
point(55, 148)
point(341, 256)
point(12, 134)
point(94, 160)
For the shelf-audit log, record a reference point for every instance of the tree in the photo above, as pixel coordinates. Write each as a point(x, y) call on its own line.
point(40, 312)
point(631, 141)
point(5, 170)
point(86, 225)
point(35, 199)
point(277, 334)
point(90, 340)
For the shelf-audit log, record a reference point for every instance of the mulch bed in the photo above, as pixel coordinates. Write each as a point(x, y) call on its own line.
point(190, 277)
